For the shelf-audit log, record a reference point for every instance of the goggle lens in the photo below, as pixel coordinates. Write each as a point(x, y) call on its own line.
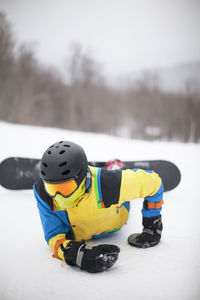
point(64, 188)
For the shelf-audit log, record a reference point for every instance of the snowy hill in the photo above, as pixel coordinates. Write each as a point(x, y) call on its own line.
point(180, 77)
point(170, 270)
point(177, 78)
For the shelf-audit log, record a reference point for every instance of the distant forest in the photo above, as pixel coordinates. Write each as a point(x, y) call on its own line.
point(33, 94)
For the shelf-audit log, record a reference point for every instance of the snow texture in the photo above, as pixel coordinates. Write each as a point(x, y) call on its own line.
point(170, 270)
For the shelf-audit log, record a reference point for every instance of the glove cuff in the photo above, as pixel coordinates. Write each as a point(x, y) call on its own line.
point(80, 254)
point(73, 252)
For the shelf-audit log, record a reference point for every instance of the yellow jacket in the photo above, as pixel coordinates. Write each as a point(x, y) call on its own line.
point(103, 209)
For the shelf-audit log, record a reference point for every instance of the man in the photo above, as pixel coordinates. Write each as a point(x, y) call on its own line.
point(78, 202)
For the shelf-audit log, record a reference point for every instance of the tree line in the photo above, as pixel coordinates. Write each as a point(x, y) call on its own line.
point(33, 94)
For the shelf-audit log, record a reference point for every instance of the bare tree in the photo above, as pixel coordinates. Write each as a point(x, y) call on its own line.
point(7, 65)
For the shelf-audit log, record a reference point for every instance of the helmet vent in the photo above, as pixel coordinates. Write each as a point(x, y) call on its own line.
point(63, 164)
point(61, 152)
point(66, 172)
point(45, 165)
point(43, 173)
point(68, 146)
point(61, 142)
point(49, 152)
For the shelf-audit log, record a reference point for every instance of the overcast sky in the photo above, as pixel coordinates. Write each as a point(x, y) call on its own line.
point(124, 35)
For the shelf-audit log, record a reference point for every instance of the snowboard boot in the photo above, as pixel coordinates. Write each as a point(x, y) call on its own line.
point(151, 234)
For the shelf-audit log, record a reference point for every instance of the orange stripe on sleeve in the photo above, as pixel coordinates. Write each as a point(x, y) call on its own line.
point(57, 245)
point(155, 205)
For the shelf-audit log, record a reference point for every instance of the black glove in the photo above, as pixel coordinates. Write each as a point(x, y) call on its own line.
point(95, 259)
point(151, 234)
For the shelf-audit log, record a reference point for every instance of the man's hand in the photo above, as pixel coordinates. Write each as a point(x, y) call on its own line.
point(151, 234)
point(95, 259)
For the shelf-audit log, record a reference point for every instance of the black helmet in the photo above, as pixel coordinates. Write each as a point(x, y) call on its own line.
point(62, 161)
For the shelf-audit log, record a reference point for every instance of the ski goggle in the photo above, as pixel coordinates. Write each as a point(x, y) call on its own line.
point(65, 188)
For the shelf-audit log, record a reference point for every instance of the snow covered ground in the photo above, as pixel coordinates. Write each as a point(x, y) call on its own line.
point(170, 270)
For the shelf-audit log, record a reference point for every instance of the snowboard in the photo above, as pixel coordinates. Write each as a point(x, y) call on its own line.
point(18, 173)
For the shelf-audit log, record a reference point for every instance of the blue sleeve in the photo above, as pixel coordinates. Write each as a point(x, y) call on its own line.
point(53, 222)
point(157, 197)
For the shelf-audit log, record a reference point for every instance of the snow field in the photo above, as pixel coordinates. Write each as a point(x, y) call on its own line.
point(170, 270)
